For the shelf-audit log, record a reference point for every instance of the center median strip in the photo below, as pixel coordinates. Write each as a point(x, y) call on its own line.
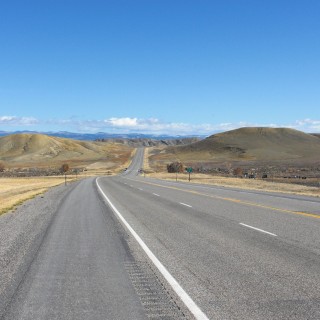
point(185, 298)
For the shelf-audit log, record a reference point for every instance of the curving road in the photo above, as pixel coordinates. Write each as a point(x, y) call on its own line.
point(216, 253)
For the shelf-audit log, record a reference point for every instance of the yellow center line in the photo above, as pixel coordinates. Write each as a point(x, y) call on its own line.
point(311, 215)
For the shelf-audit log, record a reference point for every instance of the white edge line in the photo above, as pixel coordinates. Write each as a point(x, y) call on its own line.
point(184, 204)
point(158, 195)
point(246, 225)
point(185, 298)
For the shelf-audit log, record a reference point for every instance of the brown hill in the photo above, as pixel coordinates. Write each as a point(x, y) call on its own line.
point(142, 142)
point(42, 150)
point(255, 144)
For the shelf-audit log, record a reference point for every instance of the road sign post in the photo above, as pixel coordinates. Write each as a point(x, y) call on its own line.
point(189, 170)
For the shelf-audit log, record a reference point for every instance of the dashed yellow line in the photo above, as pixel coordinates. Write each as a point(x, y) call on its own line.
point(311, 215)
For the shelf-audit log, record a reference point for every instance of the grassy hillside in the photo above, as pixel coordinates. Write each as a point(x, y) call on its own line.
point(248, 144)
point(41, 150)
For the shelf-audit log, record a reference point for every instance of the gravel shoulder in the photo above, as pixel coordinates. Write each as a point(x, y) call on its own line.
point(21, 234)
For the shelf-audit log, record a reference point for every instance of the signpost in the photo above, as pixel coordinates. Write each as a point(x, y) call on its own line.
point(189, 170)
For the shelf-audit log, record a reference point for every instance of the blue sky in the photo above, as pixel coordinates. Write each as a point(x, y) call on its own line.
point(159, 66)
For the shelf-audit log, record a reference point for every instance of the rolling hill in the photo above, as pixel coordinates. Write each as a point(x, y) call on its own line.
point(42, 150)
point(249, 144)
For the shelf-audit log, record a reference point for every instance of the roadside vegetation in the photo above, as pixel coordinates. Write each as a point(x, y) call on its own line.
point(248, 184)
point(20, 184)
point(234, 177)
point(14, 191)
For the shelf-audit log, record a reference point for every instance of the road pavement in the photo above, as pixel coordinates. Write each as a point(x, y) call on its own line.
point(238, 254)
point(116, 243)
point(85, 269)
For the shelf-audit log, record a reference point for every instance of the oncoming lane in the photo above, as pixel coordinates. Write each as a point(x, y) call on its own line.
point(215, 258)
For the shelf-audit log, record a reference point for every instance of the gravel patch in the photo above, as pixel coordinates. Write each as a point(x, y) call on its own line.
point(21, 234)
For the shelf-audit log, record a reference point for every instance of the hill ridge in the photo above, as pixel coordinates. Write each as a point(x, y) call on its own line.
point(254, 143)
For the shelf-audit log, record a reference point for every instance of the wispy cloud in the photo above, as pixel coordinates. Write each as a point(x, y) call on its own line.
point(307, 125)
point(156, 126)
point(18, 121)
point(140, 125)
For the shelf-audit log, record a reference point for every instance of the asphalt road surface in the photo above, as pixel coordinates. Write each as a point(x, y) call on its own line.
point(129, 247)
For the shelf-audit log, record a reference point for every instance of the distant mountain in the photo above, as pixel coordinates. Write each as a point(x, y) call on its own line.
point(147, 142)
point(101, 135)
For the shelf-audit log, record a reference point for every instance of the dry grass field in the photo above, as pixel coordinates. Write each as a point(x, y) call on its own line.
point(248, 184)
point(14, 191)
point(156, 159)
point(21, 152)
point(109, 167)
point(278, 152)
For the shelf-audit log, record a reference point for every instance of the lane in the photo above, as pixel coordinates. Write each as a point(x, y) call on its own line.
point(231, 271)
point(182, 294)
point(87, 268)
point(282, 202)
point(135, 165)
point(284, 222)
point(237, 261)
point(79, 271)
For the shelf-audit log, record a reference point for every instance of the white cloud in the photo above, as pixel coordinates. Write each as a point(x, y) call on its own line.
point(156, 126)
point(4, 119)
point(307, 125)
point(122, 122)
point(17, 121)
point(148, 126)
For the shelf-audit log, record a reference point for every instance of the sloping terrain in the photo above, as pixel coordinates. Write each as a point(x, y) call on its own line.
point(42, 150)
point(142, 142)
point(249, 144)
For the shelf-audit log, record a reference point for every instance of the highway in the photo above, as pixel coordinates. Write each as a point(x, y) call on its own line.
point(130, 247)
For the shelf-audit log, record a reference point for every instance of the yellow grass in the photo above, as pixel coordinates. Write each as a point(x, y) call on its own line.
point(14, 191)
point(249, 184)
point(128, 162)
point(102, 168)
point(146, 165)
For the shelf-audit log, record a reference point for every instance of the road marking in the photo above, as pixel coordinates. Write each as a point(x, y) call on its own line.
point(184, 204)
point(155, 194)
point(251, 227)
point(140, 189)
point(185, 298)
point(310, 215)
